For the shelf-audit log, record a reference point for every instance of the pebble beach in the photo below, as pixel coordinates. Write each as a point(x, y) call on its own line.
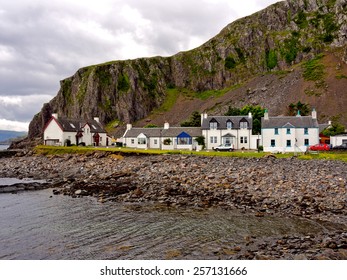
point(311, 189)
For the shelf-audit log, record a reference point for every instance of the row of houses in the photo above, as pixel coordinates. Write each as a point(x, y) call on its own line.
point(278, 134)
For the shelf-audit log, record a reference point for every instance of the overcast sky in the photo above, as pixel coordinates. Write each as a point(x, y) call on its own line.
point(45, 41)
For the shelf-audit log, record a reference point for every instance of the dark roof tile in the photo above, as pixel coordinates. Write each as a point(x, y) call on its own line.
point(75, 125)
point(161, 132)
point(222, 121)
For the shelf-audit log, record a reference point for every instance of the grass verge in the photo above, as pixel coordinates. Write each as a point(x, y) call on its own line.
point(50, 150)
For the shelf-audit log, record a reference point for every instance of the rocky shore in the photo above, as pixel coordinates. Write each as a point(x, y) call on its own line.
point(316, 190)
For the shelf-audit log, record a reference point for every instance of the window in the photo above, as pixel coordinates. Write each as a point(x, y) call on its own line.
point(288, 130)
point(276, 131)
point(273, 143)
point(306, 131)
point(213, 139)
point(132, 141)
point(243, 124)
point(155, 141)
point(229, 125)
point(213, 125)
point(307, 142)
point(289, 143)
point(243, 140)
point(184, 141)
point(141, 141)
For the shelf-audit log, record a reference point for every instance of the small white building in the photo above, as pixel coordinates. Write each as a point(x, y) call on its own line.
point(163, 138)
point(338, 140)
point(60, 131)
point(289, 133)
point(234, 130)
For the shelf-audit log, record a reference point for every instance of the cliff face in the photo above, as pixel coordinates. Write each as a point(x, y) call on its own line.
point(275, 39)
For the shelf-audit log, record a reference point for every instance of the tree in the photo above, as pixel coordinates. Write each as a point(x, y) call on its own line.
point(302, 107)
point(257, 114)
point(194, 120)
point(232, 111)
point(334, 129)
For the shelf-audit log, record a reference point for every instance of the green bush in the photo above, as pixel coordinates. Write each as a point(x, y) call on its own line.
point(201, 141)
point(123, 83)
point(230, 63)
point(271, 59)
point(290, 48)
point(167, 141)
point(150, 125)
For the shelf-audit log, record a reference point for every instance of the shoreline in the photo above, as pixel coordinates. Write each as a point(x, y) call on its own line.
point(314, 190)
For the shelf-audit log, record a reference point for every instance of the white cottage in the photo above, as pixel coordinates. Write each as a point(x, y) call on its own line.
point(289, 133)
point(338, 140)
point(59, 131)
point(234, 130)
point(163, 138)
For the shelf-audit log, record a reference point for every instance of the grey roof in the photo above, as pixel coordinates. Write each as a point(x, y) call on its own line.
point(75, 125)
point(175, 131)
point(161, 132)
point(136, 131)
point(323, 126)
point(297, 122)
point(222, 121)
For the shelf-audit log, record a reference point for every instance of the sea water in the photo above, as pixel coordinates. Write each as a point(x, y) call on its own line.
point(38, 225)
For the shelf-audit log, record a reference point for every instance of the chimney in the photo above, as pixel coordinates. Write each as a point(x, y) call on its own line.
point(266, 115)
point(203, 116)
point(314, 114)
point(97, 119)
point(249, 115)
point(129, 126)
point(166, 125)
point(298, 114)
point(329, 123)
point(55, 115)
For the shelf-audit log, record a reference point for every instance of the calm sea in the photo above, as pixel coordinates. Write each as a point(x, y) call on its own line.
point(38, 225)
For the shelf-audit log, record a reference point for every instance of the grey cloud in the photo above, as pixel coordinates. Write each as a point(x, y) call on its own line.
point(43, 42)
point(24, 109)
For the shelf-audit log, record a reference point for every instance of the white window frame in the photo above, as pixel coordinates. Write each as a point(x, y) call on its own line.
point(141, 141)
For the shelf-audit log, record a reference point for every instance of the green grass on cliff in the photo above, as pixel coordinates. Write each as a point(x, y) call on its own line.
point(314, 69)
point(214, 93)
point(50, 150)
point(171, 97)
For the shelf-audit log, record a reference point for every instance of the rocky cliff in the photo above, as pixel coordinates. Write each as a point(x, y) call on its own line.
point(280, 54)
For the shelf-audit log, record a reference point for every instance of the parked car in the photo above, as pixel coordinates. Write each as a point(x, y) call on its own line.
point(319, 147)
point(340, 147)
point(224, 147)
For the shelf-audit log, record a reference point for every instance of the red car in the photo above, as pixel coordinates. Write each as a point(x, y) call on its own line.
point(319, 147)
